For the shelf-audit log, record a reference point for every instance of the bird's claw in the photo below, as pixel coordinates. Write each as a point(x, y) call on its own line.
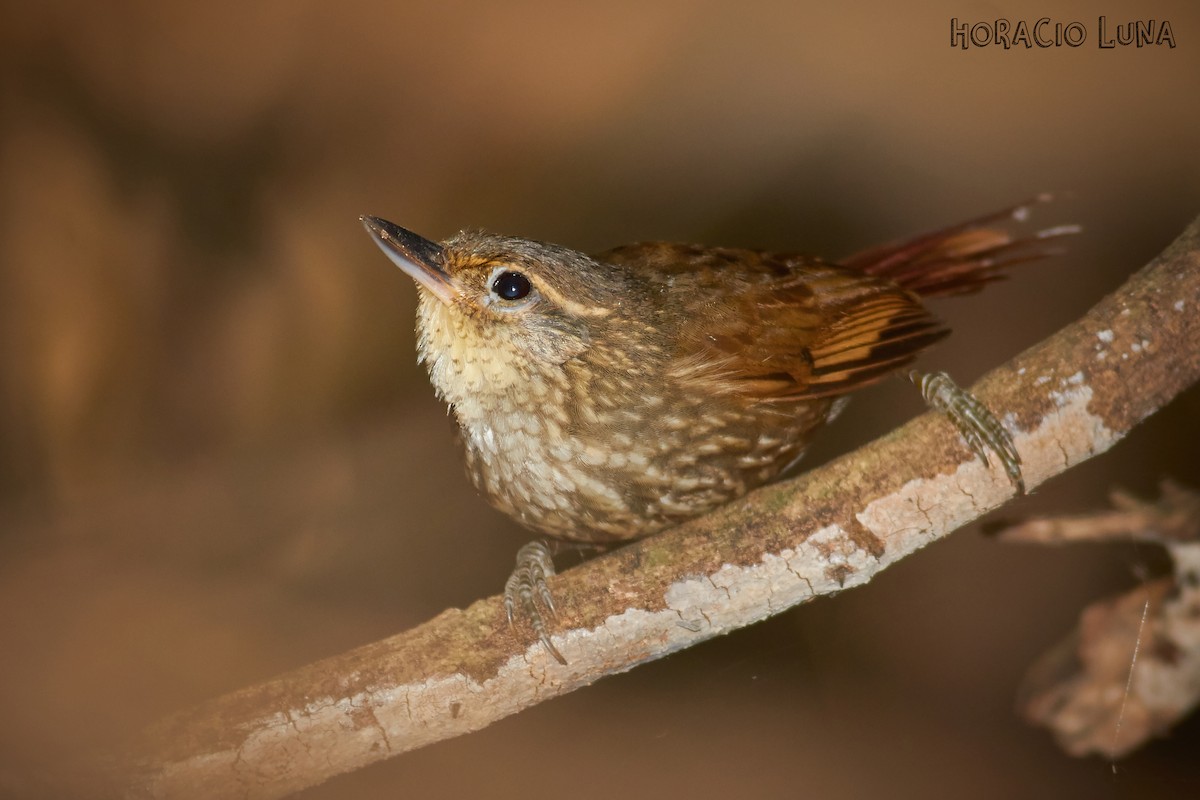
point(974, 421)
point(526, 592)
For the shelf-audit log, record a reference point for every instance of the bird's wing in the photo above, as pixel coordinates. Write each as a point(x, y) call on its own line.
point(779, 326)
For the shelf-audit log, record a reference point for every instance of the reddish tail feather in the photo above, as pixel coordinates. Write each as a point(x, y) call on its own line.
point(963, 258)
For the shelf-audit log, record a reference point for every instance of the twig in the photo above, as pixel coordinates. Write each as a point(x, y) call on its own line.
point(1065, 400)
point(1131, 669)
point(1174, 518)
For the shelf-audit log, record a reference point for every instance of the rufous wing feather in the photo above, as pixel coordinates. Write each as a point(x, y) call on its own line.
point(815, 331)
point(783, 326)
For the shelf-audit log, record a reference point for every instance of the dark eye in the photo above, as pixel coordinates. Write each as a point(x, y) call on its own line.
point(511, 285)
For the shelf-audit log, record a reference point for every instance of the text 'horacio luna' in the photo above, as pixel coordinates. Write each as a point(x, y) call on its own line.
point(1046, 32)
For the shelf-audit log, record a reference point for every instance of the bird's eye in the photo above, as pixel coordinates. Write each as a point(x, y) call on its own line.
point(511, 286)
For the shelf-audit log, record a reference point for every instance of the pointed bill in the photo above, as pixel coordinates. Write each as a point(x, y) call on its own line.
point(421, 259)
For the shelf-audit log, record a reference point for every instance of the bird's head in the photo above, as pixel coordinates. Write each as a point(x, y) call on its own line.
point(498, 311)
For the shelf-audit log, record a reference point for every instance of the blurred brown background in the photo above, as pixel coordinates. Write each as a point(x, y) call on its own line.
point(219, 459)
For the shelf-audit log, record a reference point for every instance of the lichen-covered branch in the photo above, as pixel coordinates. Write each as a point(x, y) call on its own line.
point(1065, 400)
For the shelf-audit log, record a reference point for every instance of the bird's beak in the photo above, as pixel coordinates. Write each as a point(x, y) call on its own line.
point(421, 259)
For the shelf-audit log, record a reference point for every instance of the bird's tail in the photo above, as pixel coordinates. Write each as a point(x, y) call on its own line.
point(963, 258)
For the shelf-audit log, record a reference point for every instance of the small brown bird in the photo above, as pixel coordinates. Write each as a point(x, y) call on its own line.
point(604, 398)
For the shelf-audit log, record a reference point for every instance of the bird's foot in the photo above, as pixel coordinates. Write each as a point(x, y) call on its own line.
point(526, 592)
point(974, 421)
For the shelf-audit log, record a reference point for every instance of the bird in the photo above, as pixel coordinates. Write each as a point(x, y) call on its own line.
point(603, 398)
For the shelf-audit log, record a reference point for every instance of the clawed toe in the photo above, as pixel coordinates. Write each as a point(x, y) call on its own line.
point(526, 592)
point(976, 423)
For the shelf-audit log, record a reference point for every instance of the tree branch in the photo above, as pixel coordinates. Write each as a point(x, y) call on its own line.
point(1065, 400)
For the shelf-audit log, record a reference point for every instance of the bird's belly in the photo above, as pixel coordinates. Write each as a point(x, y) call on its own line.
point(623, 485)
point(570, 489)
